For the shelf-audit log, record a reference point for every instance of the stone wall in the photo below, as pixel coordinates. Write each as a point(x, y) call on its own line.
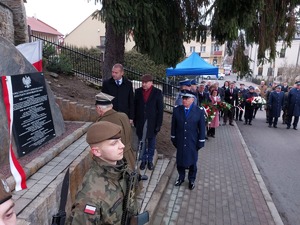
point(73, 111)
point(19, 21)
point(6, 23)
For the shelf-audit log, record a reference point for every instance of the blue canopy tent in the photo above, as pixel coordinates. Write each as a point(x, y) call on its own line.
point(193, 65)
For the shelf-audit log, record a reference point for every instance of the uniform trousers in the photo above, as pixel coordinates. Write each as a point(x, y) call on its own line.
point(289, 121)
point(192, 172)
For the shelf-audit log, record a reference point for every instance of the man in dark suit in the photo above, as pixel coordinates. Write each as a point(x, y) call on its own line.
point(275, 103)
point(293, 106)
point(202, 95)
point(231, 97)
point(121, 88)
point(148, 102)
point(188, 136)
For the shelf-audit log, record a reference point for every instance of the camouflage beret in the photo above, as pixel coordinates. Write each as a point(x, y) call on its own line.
point(101, 131)
point(4, 190)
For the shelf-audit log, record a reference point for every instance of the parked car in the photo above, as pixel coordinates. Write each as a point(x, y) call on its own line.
point(221, 76)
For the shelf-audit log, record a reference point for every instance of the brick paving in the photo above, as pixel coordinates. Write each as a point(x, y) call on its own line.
point(227, 191)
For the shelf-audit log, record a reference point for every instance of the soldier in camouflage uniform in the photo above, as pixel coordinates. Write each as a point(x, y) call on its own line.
point(100, 199)
point(7, 213)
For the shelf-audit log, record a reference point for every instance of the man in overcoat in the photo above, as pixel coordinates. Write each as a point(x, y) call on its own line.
point(293, 106)
point(121, 88)
point(188, 136)
point(104, 108)
point(231, 97)
point(276, 100)
point(148, 105)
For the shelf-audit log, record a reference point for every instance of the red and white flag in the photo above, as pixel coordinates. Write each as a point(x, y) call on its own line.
point(33, 52)
point(15, 168)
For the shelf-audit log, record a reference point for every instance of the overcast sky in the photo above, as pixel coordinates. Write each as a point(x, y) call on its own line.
point(63, 15)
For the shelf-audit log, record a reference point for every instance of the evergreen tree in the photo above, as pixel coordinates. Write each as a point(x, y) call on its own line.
point(160, 27)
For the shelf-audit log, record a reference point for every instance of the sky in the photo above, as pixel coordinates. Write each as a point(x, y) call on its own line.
point(63, 15)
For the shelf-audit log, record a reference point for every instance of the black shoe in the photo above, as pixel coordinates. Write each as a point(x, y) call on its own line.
point(231, 124)
point(245, 123)
point(288, 127)
point(241, 120)
point(206, 137)
point(295, 128)
point(150, 166)
point(191, 185)
point(143, 166)
point(178, 182)
point(275, 126)
point(269, 126)
point(250, 123)
point(224, 124)
point(213, 136)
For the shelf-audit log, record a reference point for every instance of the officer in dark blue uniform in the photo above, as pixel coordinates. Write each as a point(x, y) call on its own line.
point(275, 104)
point(293, 106)
point(188, 136)
point(184, 85)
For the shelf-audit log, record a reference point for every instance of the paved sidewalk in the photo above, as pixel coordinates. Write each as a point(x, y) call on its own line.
point(229, 189)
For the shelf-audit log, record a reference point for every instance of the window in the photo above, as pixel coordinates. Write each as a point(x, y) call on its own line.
point(282, 53)
point(102, 41)
point(192, 49)
point(280, 71)
point(202, 48)
point(260, 71)
point(216, 47)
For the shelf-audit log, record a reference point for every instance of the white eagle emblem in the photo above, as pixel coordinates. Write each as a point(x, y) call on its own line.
point(26, 81)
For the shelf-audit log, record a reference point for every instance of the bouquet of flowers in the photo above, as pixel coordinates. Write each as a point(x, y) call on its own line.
point(223, 106)
point(210, 111)
point(256, 100)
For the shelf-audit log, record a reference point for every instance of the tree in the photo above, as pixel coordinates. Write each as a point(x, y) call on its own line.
point(160, 27)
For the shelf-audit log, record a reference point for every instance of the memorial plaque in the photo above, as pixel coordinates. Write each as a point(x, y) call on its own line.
point(32, 122)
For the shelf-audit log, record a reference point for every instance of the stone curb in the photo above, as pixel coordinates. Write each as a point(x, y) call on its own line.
point(160, 189)
point(263, 187)
point(47, 156)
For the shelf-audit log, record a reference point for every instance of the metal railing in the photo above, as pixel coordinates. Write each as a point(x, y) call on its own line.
point(89, 68)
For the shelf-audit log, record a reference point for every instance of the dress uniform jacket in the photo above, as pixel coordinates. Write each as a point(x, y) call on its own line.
point(123, 101)
point(275, 103)
point(122, 120)
point(100, 199)
point(152, 110)
point(188, 134)
point(294, 102)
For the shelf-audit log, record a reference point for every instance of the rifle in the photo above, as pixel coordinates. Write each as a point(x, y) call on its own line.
point(129, 217)
point(60, 217)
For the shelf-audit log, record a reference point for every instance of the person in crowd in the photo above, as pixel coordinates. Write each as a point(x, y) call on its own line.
point(249, 107)
point(220, 90)
point(276, 100)
point(207, 86)
point(293, 106)
point(285, 109)
point(224, 87)
point(285, 87)
point(215, 122)
point(268, 91)
point(148, 104)
point(104, 108)
point(184, 85)
point(7, 212)
point(263, 90)
point(257, 106)
point(231, 98)
point(194, 89)
point(104, 184)
point(239, 111)
point(188, 136)
point(121, 88)
point(202, 95)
